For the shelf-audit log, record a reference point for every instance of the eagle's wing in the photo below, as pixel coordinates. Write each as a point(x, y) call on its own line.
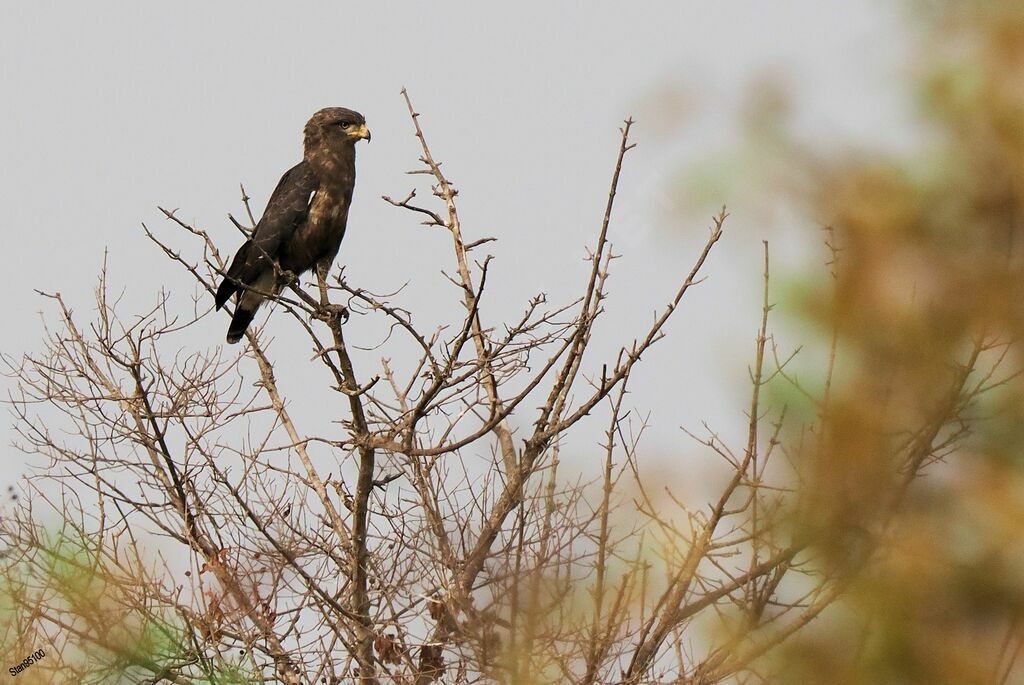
point(287, 209)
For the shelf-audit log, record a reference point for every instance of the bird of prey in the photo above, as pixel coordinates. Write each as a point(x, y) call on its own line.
point(304, 221)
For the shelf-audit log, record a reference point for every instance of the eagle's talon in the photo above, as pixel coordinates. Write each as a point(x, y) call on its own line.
point(331, 313)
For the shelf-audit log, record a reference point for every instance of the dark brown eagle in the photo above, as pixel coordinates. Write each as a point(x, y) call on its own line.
point(304, 221)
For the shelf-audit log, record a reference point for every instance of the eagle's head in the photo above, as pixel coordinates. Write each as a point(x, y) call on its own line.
point(333, 128)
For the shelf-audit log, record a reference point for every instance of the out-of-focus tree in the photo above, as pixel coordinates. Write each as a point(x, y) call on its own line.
point(926, 311)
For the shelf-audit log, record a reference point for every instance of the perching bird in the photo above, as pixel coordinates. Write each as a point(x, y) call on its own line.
point(304, 221)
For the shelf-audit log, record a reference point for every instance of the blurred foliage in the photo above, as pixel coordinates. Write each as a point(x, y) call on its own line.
point(92, 619)
point(757, 167)
point(925, 303)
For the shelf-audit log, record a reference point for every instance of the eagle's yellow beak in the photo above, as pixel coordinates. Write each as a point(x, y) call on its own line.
point(363, 132)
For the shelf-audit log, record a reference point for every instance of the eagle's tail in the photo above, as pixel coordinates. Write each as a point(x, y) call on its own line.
point(229, 286)
point(225, 290)
point(249, 300)
point(240, 321)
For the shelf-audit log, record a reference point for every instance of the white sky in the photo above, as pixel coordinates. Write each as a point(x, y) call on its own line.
point(113, 108)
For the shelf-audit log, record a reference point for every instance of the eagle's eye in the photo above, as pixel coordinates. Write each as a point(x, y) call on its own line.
point(345, 125)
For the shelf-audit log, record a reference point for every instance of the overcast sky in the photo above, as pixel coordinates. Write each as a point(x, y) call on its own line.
point(111, 109)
